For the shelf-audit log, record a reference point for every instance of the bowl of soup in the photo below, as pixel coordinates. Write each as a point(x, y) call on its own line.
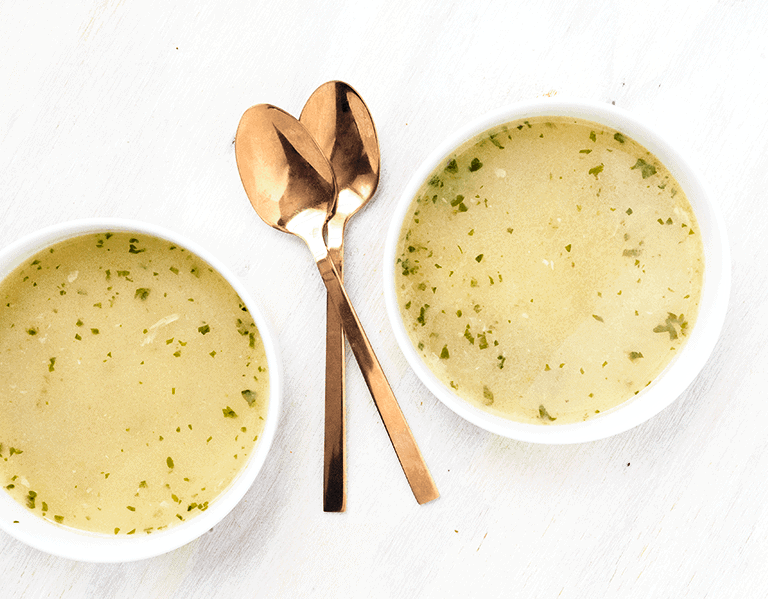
point(557, 272)
point(140, 390)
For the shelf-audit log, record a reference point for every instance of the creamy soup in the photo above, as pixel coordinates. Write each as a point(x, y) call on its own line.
point(549, 270)
point(133, 383)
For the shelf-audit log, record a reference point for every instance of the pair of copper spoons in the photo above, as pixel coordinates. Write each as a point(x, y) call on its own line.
point(307, 177)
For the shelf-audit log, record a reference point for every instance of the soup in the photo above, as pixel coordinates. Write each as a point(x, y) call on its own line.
point(134, 384)
point(549, 270)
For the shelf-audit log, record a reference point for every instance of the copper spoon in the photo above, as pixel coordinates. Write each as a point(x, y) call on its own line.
point(291, 185)
point(342, 126)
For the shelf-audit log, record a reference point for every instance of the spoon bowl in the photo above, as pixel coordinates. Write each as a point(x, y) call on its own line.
point(285, 174)
point(343, 128)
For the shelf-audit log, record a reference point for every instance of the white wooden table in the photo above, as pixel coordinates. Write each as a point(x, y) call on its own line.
point(129, 109)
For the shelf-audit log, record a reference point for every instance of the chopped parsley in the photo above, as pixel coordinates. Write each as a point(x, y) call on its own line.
point(544, 415)
point(646, 169)
point(422, 315)
point(487, 395)
point(249, 396)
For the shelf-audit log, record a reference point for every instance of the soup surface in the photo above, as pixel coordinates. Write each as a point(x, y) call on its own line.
point(133, 382)
point(549, 270)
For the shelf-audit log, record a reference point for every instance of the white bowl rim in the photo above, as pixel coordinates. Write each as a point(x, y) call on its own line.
point(71, 543)
point(680, 373)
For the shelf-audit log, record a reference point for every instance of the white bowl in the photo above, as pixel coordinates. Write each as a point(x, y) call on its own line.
point(714, 300)
point(33, 530)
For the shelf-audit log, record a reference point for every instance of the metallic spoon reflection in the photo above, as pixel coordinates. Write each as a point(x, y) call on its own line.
point(291, 186)
point(342, 126)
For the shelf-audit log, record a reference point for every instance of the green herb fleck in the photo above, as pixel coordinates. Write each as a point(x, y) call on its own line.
point(635, 355)
point(459, 199)
point(51, 362)
point(544, 415)
point(249, 396)
point(229, 412)
point(131, 508)
point(501, 360)
point(422, 315)
point(95, 331)
point(479, 258)
point(32, 331)
point(646, 169)
point(141, 293)
point(584, 151)
point(669, 325)
point(169, 462)
point(452, 167)
point(204, 329)
point(619, 137)
point(408, 269)
point(597, 170)
point(482, 341)
point(598, 318)
point(174, 270)
point(475, 165)
point(487, 396)
point(59, 519)
point(568, 248)
point(444, 355)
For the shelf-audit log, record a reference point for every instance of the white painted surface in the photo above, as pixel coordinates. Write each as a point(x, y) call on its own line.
point(129, 109)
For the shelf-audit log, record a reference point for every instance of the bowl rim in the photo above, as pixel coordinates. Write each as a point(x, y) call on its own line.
point(686, 365)
point(85, 546)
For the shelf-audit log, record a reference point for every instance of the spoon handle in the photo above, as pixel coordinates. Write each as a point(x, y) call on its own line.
point(335, 448)
point(411, 460)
